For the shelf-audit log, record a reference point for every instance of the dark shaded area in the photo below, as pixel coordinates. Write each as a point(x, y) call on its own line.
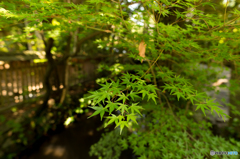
point(71, 143)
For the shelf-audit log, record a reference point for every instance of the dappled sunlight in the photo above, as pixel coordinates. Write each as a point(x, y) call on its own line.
point(54, 88)
point(15, 90)
point(51, 102)
point(4, 93)
point(40, 85)
point(30, 95)
point(20, 81)
point(61, 86)
point(23, 80)
point(16, 99)
point(18, 90)
point(7, 66)
point(68, 121)
point(41, 102)
point(37, 87)
point(21, 98)
point(56, 151)
point(17, 112)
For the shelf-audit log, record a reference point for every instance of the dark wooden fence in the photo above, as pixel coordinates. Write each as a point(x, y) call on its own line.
point(23, 80)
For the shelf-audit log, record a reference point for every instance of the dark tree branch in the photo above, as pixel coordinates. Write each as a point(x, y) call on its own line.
point(78, 47)
point(46, 82)
point(67, 52)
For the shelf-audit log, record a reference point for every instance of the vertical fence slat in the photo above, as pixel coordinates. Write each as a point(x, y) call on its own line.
point(22, 80)
point(11, 93)
point(31, 77)
point(37, 76)
point(36, 82)
point(28, 75)
point(34, 78)
point(41, 76)
point(6, 84)
point(1, 81)
point(17, 79)
point(27, 79)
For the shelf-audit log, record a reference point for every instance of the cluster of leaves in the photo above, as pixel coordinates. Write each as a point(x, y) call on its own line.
point(164, 136)
point(120, 96)
point(170, 47)
point(105, 149)
point(184, 47)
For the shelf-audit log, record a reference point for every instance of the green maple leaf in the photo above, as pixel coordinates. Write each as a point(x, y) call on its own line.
point(112, 118)
point(202, 107)
point(122, 124)
point(122, 97)
point(133, 94)
point(178, 94)
point(112, 106)
point(100, 110)
point(135, 108)
point(144, 92)
point(132, 117)
point(122, 108)
point(153, 96)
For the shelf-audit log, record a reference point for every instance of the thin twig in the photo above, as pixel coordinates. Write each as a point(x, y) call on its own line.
point(152, 64)
point(155, 83)
point(122, 15)
point(187, 107)
point(225, 12)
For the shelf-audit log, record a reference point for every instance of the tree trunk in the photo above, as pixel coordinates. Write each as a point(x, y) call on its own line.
point(29, 45)
point(66, 74)
point(46, 83)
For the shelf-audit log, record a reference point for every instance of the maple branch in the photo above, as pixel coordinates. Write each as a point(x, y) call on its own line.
point(155, 83)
